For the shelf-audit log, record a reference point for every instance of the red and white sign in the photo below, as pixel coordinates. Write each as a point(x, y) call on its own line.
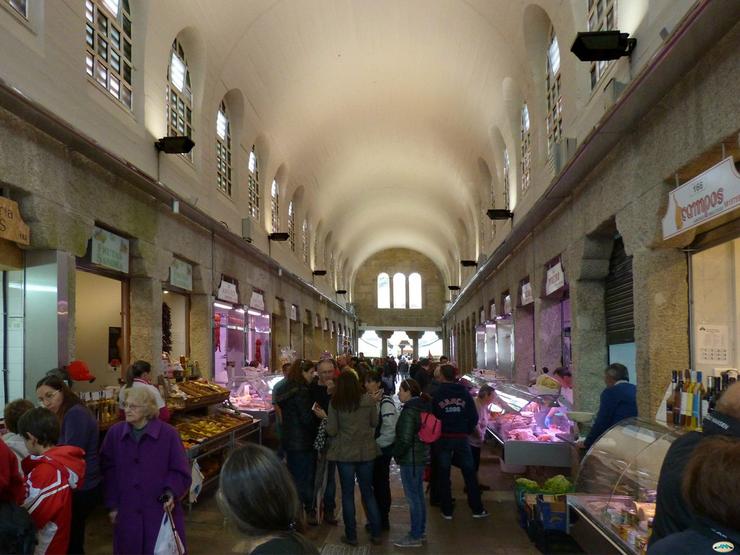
point(707, 196)
point(555, 279)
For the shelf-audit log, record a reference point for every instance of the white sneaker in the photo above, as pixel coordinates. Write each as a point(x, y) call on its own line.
point(483, 514)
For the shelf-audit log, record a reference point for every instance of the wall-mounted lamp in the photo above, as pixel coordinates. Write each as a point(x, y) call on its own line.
point(176, 206)
point(341, 291)
point(319, 272)
point(174, 145)
point(468, 263)
point(279, 236)
point(500, 214)
point(453, 287)
point(597, 46)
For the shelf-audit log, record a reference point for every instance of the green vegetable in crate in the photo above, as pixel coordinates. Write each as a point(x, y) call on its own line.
point(529, 485)
point(557, 484)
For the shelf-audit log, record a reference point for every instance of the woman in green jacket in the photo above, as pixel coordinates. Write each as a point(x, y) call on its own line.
point(411, 455)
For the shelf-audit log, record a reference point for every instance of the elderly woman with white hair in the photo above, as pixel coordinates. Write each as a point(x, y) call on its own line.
point(145, 470)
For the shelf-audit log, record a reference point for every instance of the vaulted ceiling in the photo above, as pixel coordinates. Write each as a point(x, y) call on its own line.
point(382, 110)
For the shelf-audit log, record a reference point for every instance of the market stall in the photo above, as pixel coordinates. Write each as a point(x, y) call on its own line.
point(614, 500)
point(252, 394)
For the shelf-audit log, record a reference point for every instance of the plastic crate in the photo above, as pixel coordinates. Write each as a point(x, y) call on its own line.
point(552, 512)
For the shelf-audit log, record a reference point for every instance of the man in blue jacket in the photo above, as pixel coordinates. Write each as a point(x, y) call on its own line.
point(618, 401)
point(456, 411)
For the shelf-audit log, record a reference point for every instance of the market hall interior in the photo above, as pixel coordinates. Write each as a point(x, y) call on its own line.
point(226, 185)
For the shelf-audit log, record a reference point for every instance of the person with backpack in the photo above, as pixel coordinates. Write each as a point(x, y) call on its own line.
point(411, 454)
point(385, 435)
point(455, 408)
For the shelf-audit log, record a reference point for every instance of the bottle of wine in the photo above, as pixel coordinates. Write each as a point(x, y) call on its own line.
point(677, 398)
point(686, 399)
point(698, 392)
point(669, 402)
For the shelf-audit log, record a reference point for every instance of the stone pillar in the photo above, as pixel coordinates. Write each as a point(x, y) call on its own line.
point(384, 337)
point(415, 336)
point(201, 333)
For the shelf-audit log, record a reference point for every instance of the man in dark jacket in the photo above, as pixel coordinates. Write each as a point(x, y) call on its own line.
point(424, 374)
point(455, 408)
point(672, 513)
point(618, 401)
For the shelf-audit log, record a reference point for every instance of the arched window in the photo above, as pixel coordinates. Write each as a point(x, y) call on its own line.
point(554, 98)
point(275, 205)
point(223, 150)
point(601, 16)
point(384, 291)
point(291, 226)
point(415, 290)
point(306, 241)
point(399, 290)
point(253, 185)
point(108, 46)
point(507, 169)
point(179, 96)
point(526, 148)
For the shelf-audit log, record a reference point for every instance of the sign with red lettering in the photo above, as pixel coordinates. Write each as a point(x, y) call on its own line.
point(707, 196)
point(12, 226)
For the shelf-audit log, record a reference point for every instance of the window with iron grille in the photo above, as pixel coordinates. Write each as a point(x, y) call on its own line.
point(179, 96)
point(19, 6)
point(554, 97)
point(253, 184)
point(526, 139)
point(306, 240)
point(291, 226)
point(601, 16)
point(275, 206)
point(223, 150)
point(108, 50)
point(507, 169)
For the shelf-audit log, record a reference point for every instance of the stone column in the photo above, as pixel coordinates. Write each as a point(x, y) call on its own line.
point(415, 336)
point(201, 333)
point(384, 337)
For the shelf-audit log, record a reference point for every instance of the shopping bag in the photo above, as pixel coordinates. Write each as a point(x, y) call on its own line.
point(196, 483)
point(168, 541)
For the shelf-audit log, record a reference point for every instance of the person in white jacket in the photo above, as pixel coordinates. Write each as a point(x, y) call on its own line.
point(385, 435)
point(13, 412)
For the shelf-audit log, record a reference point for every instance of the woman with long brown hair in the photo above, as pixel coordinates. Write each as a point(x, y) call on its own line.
point(80, 429)
point(352, 420)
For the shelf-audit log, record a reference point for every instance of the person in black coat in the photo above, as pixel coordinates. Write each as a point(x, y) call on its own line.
point(672, 513)
point(711, 487)
point(299, 428)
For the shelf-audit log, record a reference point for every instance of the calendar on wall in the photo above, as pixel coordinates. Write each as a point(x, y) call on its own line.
point(712, 342)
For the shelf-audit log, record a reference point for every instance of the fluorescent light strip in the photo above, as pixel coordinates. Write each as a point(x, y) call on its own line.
point(222, 305)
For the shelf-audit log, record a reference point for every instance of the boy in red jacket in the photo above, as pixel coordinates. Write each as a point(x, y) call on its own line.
point(51, 474)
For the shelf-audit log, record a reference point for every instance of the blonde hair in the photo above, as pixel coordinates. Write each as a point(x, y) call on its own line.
point(143, 396)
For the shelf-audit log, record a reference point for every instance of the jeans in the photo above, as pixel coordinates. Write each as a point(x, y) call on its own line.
point(302, 466)
point(476, 457)
point(382, 484)
point(412, 478)
point(364, 472)
point(84, 502)
point(434, 497)
point(330, 493)
point(459, 448)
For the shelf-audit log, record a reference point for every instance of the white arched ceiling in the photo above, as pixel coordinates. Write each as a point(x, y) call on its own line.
point(381, 109)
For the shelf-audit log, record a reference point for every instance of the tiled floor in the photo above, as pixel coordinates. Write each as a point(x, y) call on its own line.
point(208, 533)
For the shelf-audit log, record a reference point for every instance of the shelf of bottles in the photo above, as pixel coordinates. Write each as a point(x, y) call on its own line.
point(692, 397)
point(104, 406)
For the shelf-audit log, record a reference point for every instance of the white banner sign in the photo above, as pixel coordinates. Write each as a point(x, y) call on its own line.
point(257, 301)
point(507, 304)
point(109, 250)
point(482, 317)
point(707, 196)
point(555, 279)
point(294, 313)
point(181, 274)
point(493, 311)
point(527, 297)
point(227, 292)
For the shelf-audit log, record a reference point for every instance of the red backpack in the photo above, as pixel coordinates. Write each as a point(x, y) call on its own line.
point(430, 429)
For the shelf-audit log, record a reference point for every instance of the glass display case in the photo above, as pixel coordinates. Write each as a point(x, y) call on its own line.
point(615, 487)
point(533, 429)
point(251, 392)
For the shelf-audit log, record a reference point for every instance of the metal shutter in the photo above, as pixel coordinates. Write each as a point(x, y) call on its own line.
point(618, 300)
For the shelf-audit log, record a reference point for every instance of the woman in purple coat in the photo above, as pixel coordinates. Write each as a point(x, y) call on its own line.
point(144, 463)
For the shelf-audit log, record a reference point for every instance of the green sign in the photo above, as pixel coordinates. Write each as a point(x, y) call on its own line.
point(181, 274)
point(109, 250)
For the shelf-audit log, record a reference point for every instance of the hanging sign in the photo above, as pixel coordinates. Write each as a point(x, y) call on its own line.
point(507, 304)
point(527, 297)
point(181, 274)
point(316, 321)
point(294, 313)
point(707, 196)
point(109, 250)
point(482, 316)
point(326, 324)
point(555, 279)
point(228, 292)
point(12, 226)
point(257, 301)
point(492, 311)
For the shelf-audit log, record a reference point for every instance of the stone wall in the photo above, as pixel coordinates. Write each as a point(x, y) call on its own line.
point(390, 261)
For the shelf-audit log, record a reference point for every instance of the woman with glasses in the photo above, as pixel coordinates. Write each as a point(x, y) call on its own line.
point(146, 471)
point(300, 424)
point(79, 429)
